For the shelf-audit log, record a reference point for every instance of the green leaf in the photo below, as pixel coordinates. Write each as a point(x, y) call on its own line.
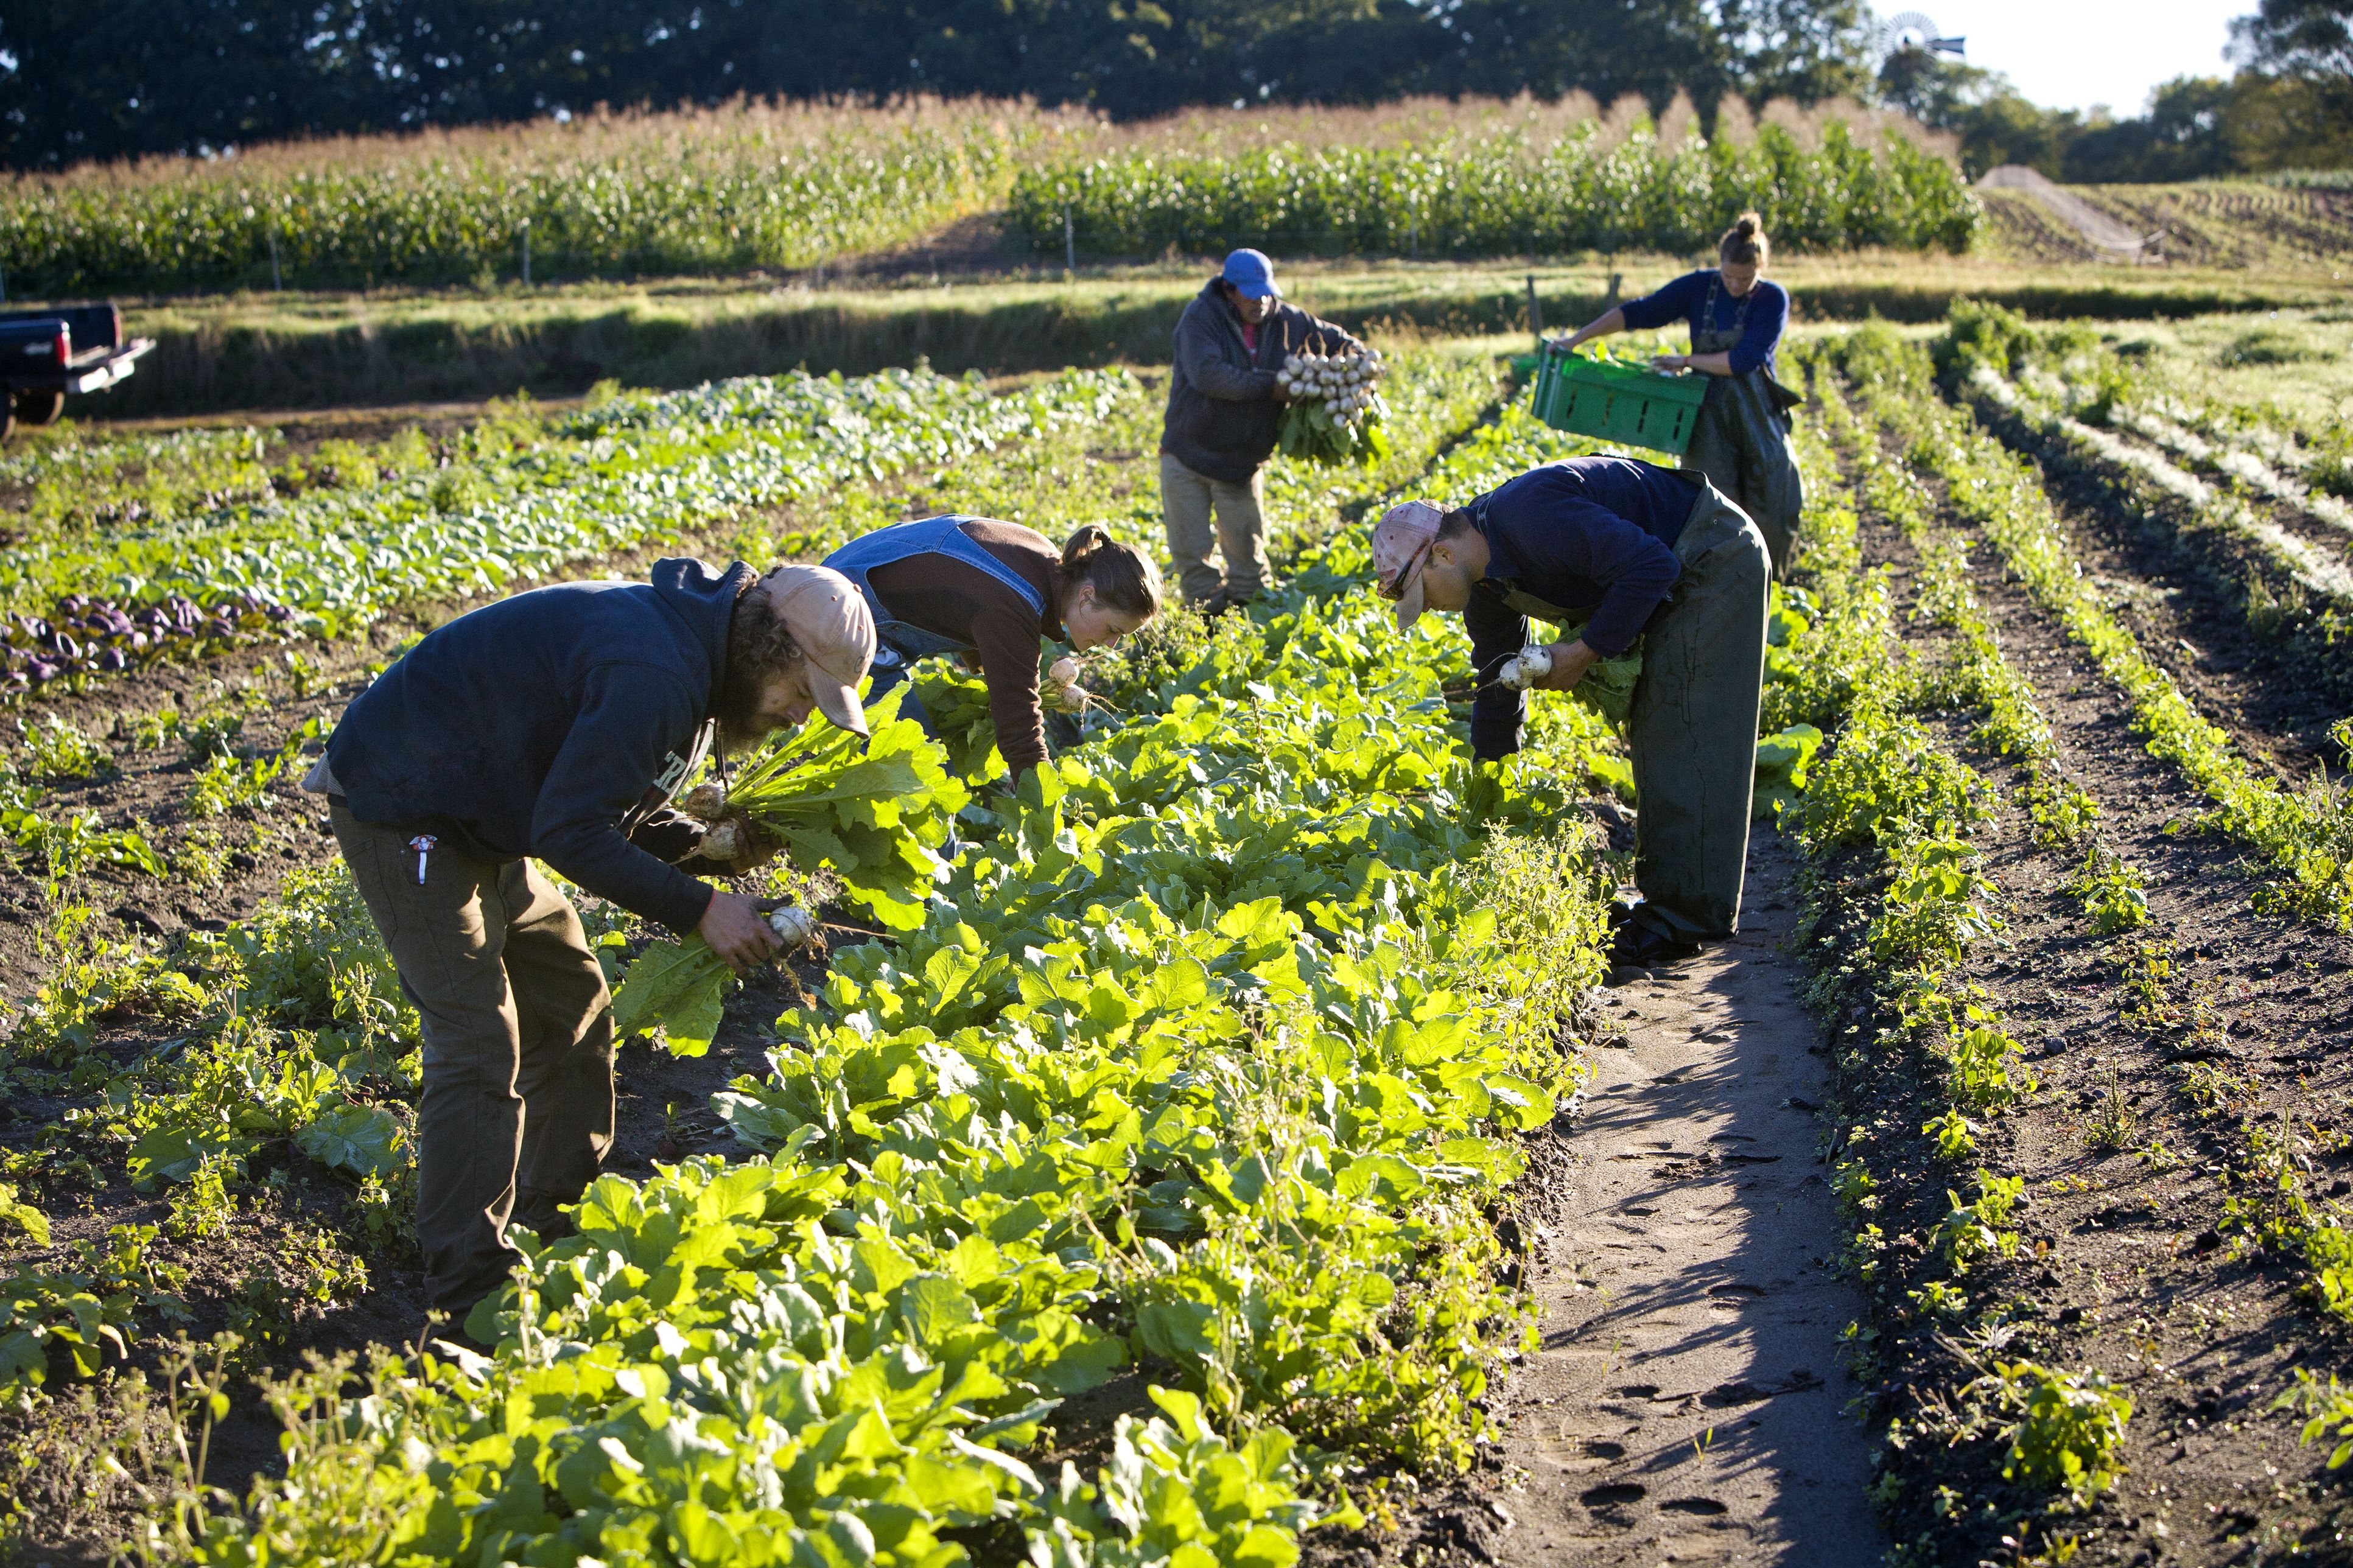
point(366, 1140)
point(679, 986)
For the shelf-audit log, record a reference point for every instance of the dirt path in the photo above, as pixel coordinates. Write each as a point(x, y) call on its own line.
point(2100, 231)
point(1687, 1404)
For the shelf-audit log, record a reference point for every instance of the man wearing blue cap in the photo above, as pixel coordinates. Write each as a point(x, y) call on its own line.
point(1224, 410)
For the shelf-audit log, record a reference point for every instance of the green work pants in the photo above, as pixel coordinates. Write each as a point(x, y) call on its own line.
point(1186, 501)
point(1740, 444)
point(1693, 727)
point(518, 1106)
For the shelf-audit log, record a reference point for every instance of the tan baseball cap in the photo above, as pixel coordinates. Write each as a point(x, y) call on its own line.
point(1401, 543)
point(831, 620)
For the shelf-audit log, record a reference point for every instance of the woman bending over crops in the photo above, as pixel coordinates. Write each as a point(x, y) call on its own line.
point(1741, 440)
point(989, 591)
point(555, 726)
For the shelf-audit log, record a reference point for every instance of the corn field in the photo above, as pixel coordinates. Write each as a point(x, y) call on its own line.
point(1507, 194)
point(718, 191)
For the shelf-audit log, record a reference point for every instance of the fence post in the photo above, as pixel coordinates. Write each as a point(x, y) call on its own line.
point(527, 253)
point(1070, 242)
point(276, 283)
point(1536, 312)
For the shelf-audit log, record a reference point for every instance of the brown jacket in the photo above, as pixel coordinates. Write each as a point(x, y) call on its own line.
point(950, 599)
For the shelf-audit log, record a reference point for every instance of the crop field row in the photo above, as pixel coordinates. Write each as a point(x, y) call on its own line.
point(1498, 194)
point(334, 1079)
point(2081, 1147)
point(724, 191)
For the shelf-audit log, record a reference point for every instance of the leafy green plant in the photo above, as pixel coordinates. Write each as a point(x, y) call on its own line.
point(55, 748)
point(2067, 1428)
point(2113, 893)
point(1981, 1229)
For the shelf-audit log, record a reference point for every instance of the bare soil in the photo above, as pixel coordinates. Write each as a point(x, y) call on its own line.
point(1687, 1401)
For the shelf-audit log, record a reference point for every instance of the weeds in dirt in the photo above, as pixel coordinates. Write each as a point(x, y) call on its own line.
point(1955, 1134)
point(1980, 1228)
point(2059, 810)
point(225, 784)
point(2113, 893)
point(2323, 1406)
point(2114, 1120)
point(57, 750)
point(2064, 1428)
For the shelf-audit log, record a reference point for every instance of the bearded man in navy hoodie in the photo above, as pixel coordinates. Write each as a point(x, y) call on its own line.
point(555, 726)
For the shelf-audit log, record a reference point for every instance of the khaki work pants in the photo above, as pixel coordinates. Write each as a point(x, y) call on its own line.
point(518, 1106)
point(1186, 500)
point(1693, 727)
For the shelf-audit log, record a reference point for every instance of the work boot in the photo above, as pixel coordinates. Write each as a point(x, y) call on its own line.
point(1639, 947)
point(1225, 599)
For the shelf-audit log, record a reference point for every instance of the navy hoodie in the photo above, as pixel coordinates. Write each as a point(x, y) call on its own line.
point(546, 724)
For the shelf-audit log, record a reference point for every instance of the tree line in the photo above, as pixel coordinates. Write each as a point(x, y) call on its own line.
point(2288, 106)
point(95, 79)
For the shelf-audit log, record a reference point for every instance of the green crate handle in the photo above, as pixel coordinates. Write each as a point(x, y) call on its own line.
point(1631, 405)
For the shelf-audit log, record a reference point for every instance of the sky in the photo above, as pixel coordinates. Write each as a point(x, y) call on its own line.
point(2072, 53)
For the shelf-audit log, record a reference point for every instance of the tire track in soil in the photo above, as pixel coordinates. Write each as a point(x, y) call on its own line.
point(1687, 1403)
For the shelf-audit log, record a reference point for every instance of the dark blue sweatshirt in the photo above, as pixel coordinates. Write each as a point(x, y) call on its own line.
point(543, 725)
point(1590, 533)
point(1683, 299)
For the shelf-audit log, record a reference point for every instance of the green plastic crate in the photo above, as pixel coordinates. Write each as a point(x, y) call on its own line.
point(1631, 405)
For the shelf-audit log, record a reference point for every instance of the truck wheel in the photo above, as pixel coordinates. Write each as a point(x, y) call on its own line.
point(40, 408)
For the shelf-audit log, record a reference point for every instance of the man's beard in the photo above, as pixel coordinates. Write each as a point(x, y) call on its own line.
point(742, 727)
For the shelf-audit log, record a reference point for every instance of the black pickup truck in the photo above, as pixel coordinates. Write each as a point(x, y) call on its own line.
point(46, 353)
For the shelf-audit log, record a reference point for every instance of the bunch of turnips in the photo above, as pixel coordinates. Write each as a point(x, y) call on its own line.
point(1336, 409)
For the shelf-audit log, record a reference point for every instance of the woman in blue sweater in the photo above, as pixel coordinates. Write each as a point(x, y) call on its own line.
point(1741, 441)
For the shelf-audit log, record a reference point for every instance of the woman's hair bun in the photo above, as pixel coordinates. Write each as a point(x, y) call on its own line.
point(1745, 240)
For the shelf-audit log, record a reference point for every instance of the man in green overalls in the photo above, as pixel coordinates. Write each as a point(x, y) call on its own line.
point(1741, 439)
point(1632, 551)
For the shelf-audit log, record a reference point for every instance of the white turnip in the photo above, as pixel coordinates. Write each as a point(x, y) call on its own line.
point(795, 925)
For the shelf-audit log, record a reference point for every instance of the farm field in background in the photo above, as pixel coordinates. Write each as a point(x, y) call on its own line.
point(758, 186)
point(264, 351)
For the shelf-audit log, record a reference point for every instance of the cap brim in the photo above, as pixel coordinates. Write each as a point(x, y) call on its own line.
point(1409, 607)
point(838, 702)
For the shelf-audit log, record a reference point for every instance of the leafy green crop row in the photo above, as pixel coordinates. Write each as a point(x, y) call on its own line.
point(711, 202)
point(1206, 1055)
point(1501, 195)
point(1899, 902)
point(2305, 835)
point(523, 500)
point(1306, 840)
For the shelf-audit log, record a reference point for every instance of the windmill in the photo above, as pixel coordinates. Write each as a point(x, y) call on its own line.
point(1913, 30)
